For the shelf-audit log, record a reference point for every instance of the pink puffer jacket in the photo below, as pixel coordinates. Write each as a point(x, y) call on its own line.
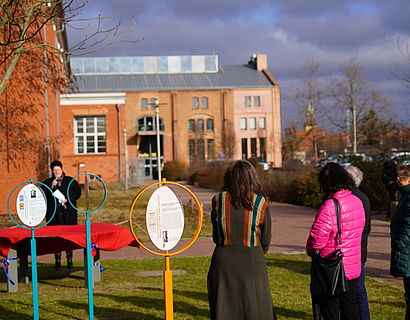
point(323, 234)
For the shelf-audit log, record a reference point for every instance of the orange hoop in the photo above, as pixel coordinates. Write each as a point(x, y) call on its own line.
point(198, 228)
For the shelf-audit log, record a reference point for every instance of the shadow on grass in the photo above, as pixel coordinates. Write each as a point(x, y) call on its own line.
point(13, 315)
point(158, 303)
point(111, 313)
point(202, 296)
point(302, 267)
point(289, 313)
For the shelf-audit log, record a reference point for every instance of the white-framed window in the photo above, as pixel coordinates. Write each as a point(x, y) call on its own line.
point(248, 101)
point(200, 125)
point(252, 123)
point(191, 125)
point(204, 102)
point(257, 101)
point(195, 103)
point(89, 135)
point(262, 123)
point(153, 103)
point(243, 124)
point(144, 104)
point(209, 124)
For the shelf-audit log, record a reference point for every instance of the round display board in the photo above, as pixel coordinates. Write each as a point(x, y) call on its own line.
point(31, 205)
point(164, 218)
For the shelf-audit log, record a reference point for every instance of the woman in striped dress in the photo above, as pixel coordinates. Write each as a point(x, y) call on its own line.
point(238, 285)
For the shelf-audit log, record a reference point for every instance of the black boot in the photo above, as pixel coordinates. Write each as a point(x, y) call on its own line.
point(69, 259)
point(407, 298)
point(57, 257)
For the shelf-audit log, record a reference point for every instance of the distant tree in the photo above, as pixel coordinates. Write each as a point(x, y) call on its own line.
point(308, 96)
point(403, 46)
point(351, 98)
point(228, 140)
point(21, 29)
point(374, 130)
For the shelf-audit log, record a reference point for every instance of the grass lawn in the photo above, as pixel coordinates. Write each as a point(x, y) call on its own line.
point(124, 293)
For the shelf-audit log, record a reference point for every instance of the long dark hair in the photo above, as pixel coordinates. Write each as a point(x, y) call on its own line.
point(243, 184)
point(333, 178)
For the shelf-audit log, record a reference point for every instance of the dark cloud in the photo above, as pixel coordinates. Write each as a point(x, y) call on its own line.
point(288, 31)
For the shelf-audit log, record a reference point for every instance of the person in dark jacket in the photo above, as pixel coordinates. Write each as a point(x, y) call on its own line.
point(361, 294)
point(238, 284)
point(400, 236)
point(389, 179)
point(65, 213)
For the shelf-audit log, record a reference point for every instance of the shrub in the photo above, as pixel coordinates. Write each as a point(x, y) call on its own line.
point(372, 184)
point(211, 176)
point(174, 170)
point(300, 187)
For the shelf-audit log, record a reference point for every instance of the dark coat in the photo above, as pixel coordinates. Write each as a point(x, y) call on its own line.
point(400, 236)
point(367, 224)
point(389, 176)
point(63, 215)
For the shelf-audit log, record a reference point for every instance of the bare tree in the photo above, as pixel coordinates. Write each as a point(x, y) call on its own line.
point(351, 98)
point(228, 139)
point(403, 46)
point(22, 23)
point(308, 95)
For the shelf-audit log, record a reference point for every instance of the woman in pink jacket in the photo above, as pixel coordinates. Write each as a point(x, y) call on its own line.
point(337, 183)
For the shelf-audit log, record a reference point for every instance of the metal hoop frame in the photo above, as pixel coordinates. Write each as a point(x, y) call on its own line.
point(198, 228)
point(91, 174)
point(8, 205)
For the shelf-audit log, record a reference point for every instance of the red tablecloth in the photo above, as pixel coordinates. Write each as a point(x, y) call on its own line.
point(51, 239)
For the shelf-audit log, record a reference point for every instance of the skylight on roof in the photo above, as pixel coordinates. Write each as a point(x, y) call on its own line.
point(145, 65)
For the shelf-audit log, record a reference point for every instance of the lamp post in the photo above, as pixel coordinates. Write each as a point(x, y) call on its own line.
point(126, 159)
point(354, 126)
point(158, 140)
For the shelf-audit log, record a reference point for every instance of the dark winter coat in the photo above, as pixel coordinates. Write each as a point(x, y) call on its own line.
point(400, 236)
point(389, 176)
point(367, 224)
point(63, 215)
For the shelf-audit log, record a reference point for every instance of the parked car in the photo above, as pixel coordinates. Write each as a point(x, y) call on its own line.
point(344, 159)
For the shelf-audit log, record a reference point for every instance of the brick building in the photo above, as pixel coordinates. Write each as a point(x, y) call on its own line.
point(207, 111)
point(29, 107)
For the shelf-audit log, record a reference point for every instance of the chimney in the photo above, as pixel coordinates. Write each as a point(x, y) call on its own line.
point(261, 62)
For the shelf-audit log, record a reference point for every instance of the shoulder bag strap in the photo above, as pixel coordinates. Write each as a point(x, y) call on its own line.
point(339, 225)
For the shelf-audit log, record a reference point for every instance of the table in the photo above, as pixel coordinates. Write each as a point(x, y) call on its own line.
point(15, 243)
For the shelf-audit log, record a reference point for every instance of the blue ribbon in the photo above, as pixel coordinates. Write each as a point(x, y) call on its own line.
point(95, 246)
point(5, 264)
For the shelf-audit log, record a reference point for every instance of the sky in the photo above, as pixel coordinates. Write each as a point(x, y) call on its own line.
point(289, 31)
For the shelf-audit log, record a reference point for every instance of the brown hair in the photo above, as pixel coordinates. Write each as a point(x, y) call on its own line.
point(243, 184)
point(404, 171)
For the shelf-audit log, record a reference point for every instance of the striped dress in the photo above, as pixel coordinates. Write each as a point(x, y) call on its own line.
point(238, 285)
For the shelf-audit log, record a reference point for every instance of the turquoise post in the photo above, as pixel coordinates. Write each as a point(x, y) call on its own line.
point(89, 268)
point(34, 282)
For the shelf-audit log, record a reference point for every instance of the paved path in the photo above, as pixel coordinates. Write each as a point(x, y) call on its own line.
point(290, 227)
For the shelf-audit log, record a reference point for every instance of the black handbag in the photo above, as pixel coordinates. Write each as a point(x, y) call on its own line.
point(327, 275)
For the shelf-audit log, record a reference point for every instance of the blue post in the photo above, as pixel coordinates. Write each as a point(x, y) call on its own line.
point(89, 268)
point(34, 282)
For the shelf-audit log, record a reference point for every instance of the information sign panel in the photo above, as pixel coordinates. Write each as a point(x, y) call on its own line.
point(31, 205)
point(165, 218)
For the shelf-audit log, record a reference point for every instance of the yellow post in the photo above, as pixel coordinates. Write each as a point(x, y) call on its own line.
point(169, 303)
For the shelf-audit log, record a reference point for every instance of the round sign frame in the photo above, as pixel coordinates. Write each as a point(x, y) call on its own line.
point(105, 192)
point(23, 226)
point(175, 233)
point(198, 228)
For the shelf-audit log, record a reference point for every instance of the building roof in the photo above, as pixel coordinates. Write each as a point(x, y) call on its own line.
point(227, 77)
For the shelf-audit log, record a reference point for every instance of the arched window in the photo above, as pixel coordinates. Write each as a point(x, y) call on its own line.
point(195, 103)
point(191, 125)
point(144, 104)
point(209, 124)
point(204, 102)
point(200, 125)
point(148, 124)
